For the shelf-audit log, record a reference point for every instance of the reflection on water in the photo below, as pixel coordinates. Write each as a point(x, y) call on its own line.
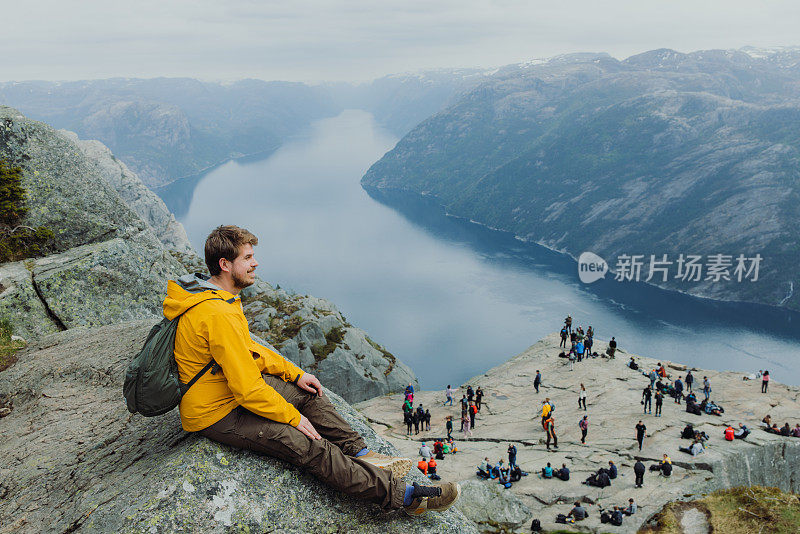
point(449, 297)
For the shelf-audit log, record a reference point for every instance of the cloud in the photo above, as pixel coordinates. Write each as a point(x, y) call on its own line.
point(357, 39)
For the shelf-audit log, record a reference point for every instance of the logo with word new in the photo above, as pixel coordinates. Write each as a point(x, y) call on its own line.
point(591, 267)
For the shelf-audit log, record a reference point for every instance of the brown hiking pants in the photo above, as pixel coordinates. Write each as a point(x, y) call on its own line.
point(329, 459)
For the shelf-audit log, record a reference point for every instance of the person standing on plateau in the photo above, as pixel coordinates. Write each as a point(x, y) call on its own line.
point(263, 402)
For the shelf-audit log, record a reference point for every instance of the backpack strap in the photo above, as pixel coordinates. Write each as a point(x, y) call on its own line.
point(211, 364)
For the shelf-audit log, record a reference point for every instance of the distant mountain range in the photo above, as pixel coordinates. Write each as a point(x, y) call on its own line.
point(165, 129)
point(662, 153)
point(168, 128)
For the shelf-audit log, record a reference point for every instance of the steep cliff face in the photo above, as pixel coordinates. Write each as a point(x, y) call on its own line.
point(147, 205)
point(663, 153)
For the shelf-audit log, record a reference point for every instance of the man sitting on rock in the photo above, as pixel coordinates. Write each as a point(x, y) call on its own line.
point(664, 466)
point(741, 432)
point(631, 508)
point(562, 474)
point(578, 512)
point(262, 402)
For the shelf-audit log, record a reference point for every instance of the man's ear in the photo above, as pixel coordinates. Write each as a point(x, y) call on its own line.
point(225, 265)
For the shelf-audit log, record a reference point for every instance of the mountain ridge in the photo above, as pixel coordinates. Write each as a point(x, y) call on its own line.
point(589, 154)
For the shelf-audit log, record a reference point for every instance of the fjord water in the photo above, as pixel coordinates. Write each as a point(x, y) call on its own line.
point(449, 297)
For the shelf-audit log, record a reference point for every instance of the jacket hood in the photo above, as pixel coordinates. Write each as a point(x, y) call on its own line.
point(188, 290)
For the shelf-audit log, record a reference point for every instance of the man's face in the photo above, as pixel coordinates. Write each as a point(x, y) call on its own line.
point(243, 267)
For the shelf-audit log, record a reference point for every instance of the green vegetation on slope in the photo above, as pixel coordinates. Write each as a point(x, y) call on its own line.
point(740, 510)
point(8, 348)
point(17, 241)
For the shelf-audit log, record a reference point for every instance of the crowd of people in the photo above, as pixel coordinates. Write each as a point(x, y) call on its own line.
point(786, 430)
point(661, 385)
point(682, 388)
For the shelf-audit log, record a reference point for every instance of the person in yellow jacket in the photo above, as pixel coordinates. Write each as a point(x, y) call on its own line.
point(547, 409)
point(255, 399)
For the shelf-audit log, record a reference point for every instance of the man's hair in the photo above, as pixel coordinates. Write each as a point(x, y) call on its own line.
point(226, 242)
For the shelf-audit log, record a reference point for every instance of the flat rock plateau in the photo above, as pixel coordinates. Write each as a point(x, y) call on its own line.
point(511, 414)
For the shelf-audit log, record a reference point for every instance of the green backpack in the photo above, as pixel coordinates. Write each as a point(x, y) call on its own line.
point(151, 384)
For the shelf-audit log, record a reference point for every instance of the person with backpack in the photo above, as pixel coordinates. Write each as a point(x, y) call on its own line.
point(427, 420)
point(582, 397)
point(563, 338)
point(262, 401)
point(449, 426)
point(550, 428)
point(478, 398)
point(583, 424)
point(409, 421)
point(706, 388)
point(568, 323)
point(473, 411)
point(537, 381)
point(546, 409)
point(689, 381)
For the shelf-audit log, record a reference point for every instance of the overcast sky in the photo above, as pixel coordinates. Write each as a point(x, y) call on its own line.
point(359, 39)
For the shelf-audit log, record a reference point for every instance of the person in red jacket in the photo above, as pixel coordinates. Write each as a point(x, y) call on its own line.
point(729, 433)
point(422, 465)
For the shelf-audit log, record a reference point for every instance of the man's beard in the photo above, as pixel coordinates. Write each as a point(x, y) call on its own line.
point(239, 282)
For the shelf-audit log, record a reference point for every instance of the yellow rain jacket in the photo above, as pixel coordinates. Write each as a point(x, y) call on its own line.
point(218, 329)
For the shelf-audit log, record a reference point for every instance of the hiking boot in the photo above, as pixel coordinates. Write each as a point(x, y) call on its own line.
point(436, 498)
point(398, 466)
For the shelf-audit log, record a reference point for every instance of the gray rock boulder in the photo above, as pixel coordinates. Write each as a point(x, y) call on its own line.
point(491, 506)
point(104, 283)
point(106, 264)
point(18, 299)
point(77, 461)
point(313, 333)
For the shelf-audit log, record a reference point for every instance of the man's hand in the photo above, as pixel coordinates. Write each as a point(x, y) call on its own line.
point(310, 383)
point(307, 428)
